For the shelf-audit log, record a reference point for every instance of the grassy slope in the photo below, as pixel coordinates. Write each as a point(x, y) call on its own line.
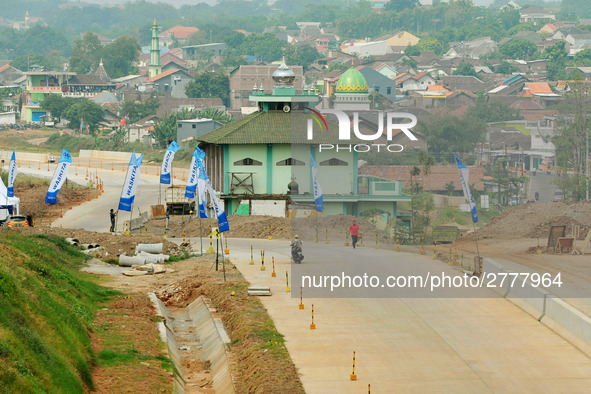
point(46, 311)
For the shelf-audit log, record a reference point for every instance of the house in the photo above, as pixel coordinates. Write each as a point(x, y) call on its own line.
point(170, 61)
point(521, 141)
point(386, 70)
point(214, 49)
point(414, 82)
point(563, 32)
point(542, 92)
point(86, 86)
point(535, 15)
point(578, 42)
point(173, 81)
point(102, 39)
point(141, 131)
point(463, 82)
point(379, 83)
point(437, 96)
point(472, 49)
point(372, 48)
point(179, 33)
point(245, 77)
point(40, 84)
point(548, 28)
point(261, 163)
point(400, 39)
point(170, 105)
point(9, 74)
point(194, 128)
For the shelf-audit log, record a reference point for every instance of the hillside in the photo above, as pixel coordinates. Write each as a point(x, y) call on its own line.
point(46, 312)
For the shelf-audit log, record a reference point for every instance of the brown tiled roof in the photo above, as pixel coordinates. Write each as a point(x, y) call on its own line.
point(182, 31)
point(436, 181)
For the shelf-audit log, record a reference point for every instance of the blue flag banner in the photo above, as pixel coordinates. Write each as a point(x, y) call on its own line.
point(318, 196)
point(11, 175)
point(130, 185)
point(167, 162)
point(59, 177)
point(204, 184)
point(192, 179)
point(464, 173)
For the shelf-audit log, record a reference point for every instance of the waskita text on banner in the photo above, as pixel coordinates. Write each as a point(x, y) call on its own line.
point(59, 177)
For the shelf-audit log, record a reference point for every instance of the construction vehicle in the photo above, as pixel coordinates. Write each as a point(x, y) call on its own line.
point(446, 234)
point(176, 202)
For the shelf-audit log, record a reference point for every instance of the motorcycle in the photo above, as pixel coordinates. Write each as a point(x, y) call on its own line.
point(537, 196)
point(296, 253)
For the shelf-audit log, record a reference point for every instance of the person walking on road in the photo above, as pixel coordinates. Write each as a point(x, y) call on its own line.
point(113, 215)
point(354, 230)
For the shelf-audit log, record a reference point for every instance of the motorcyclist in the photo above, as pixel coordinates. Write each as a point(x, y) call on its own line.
point(297, 243)
point(537, 196)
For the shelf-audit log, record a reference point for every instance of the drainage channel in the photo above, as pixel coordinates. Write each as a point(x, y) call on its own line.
point(193, 335)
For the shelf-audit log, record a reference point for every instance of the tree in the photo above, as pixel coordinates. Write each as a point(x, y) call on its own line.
point(518, 48)
point(412, 50)
point(86, 54)
point(56, 105)
point(427, 161)
point(119, 57)
point(450, 187)
point(505, 68)
point(26, 62)
point(447, 134)
point(414, 171)
point(302, 55)
point(584, 57)
point(84, 113)
point(135, 111)
point(430, 44)
point(495, 111)
point(399, 5)
point(557, 56)
point(209, 84)
point(266, 46)
point(465, 68)
point(165, 131)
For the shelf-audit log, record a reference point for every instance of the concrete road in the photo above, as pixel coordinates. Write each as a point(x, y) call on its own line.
point(542, 183)
point(410, 344)
point(94, 215)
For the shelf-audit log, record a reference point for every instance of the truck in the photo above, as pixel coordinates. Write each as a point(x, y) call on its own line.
point(446, 234)
point(176, 202)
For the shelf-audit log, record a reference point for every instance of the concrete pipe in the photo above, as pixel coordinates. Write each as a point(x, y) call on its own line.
point(129, 261)
point(150, 248)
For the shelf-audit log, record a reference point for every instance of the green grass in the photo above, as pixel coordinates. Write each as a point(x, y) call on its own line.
point(111, 357)
point(46, 312)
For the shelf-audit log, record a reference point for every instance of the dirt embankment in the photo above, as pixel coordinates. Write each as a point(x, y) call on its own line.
point(534, 220)
point(262, 226)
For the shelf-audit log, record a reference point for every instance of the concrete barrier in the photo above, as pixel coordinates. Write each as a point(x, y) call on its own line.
point(153, 258)
point(570, 318)
point(104, 155)
point(130, 261)
point(213, 347)
point(544, 306)
point(150, 248)
point(167, 336)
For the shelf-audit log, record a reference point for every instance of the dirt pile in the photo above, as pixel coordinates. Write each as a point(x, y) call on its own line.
point(262, 226)
point(114, 244)
point(534, 220)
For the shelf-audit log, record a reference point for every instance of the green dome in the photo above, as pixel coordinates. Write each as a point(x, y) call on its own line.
point(352, 81)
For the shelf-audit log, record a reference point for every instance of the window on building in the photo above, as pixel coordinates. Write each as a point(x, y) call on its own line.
point(248, 162)
point(377, 89)
point(180, 125)
point(194, 126)
point(334, 162)
point(388, 90)
point(290, 162)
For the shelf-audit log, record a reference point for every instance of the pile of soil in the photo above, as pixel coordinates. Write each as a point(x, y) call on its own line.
point(33, 201)
point(262, 226)
point(534, 220)
point(114, 244)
